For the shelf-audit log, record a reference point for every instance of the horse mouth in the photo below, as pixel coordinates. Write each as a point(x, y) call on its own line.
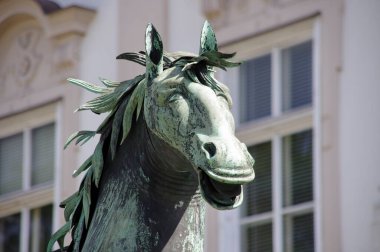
point(218, 194)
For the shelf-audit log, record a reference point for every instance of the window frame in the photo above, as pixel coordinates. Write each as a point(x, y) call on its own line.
point(30, 197)
point(274, 128)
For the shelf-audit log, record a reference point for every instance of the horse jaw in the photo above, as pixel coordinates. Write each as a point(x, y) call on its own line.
point(218, 195)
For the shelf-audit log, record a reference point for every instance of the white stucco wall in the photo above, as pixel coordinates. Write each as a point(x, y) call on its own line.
point(185, 23)
point(97, 59)
point(359, 127)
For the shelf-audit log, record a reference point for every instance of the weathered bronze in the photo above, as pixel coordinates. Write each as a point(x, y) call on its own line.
point(167, 144)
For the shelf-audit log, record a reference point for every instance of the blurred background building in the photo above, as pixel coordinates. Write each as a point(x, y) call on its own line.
point(305, 102)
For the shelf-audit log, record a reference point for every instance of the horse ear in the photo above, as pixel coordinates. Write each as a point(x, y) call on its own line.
point(208, 40)
point(154, 52)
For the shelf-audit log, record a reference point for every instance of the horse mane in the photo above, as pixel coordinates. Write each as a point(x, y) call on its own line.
point(122, 100)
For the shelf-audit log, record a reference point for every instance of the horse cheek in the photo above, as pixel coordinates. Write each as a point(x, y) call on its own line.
point(184, 113)
point(166, 126)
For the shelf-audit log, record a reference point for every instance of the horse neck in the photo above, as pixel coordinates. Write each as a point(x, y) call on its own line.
point(174, 189)
point(148, 199)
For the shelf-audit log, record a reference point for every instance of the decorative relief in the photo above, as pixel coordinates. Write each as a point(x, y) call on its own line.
point(223, 11)
point(214, 11)
point(213, 8)
point(66, 57)
point(30, 62)
point(21, 60)
point(242, 9)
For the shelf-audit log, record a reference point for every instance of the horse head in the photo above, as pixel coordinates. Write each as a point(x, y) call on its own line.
point(189, 110)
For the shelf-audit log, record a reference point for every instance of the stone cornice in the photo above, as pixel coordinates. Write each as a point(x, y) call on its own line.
point(73, 19)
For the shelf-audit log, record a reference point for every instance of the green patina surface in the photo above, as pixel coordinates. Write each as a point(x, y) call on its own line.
point(183, 105)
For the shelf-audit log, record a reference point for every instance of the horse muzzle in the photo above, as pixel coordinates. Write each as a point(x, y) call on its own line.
point(224, 166)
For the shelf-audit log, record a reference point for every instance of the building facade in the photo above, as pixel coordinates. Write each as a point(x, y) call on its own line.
point(40, 44)
point(305, 103)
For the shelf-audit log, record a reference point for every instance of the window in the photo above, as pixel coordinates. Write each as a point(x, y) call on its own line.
point(296, 76)
point(276, 116)
point(27, 168)
point(259, 237)
point(256, 94)
point(297, 168)
point(42, 154)
point(297, 177)
point(295, 82)
point(38, 235)
point(296, 198)
point(12, 158)
point(259, 195)
point(257, 234)
point(40, 228)
point(10, 228)
point(299, 233)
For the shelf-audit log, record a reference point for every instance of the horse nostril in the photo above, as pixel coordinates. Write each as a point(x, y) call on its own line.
point(210, 148)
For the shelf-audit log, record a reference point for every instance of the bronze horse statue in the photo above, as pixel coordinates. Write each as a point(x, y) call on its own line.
point(167, 143)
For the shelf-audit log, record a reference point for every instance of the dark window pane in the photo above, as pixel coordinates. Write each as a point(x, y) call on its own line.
point(256, 88)
point(299, 233)
point(40, 228)
point(11, 155)
point(298, 168)
point(10, 233)
point(258, 194)
point(258, 238)
point(43, 154)
point(297, 76)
